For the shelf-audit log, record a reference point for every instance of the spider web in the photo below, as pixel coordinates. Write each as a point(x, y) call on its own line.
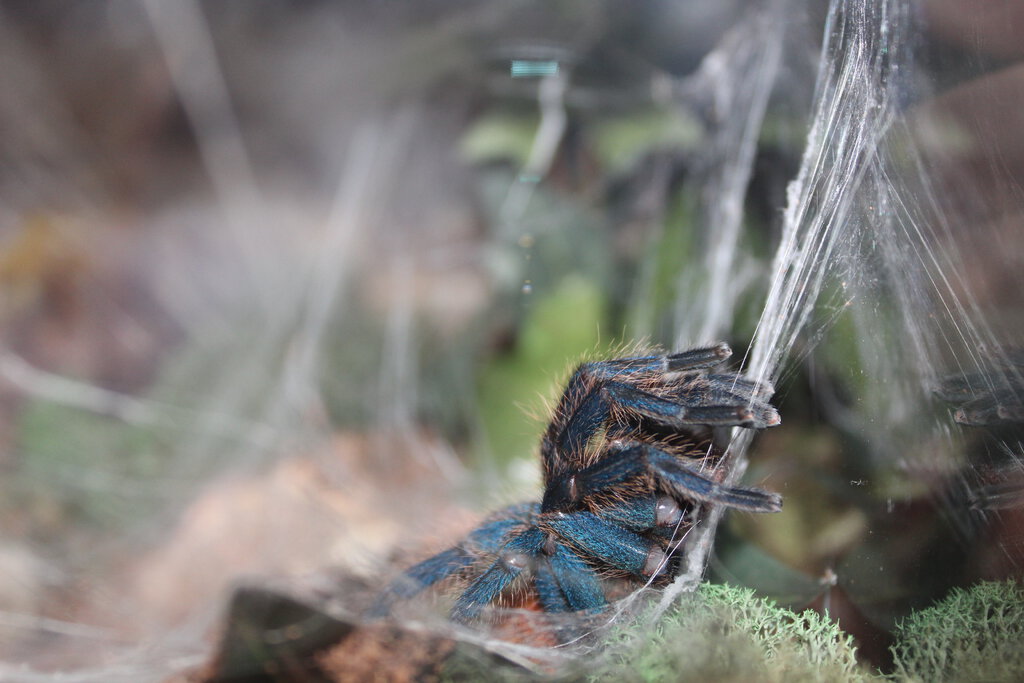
point(856, 97)
point(865, 234)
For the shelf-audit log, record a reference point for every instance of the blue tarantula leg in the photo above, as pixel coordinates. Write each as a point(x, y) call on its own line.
point(420, 577)
point(756, 416)
point(698, 359)
point(744, 386)
point(687, 483)
point(487, 538)
point(576, 579)
point(694, 359)
point(644, 513)
point(622, 367)
point(565, 583)
point(548, 591)
point(720, 390)
point(620, 466)
point(607, 542)
point(565, 491)
point(514, 558)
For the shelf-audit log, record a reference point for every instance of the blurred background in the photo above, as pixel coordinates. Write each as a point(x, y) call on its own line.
point(286, 288)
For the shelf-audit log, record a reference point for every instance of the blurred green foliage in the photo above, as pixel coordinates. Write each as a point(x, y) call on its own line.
point(620, 142)
point(499, 136)
point(79, 467)
point(664, 259)
point(560, 329)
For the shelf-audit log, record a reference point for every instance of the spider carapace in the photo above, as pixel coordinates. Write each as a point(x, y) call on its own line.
point(629, 460)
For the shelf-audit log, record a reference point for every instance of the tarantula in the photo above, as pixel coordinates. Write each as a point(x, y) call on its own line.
point(628, 459)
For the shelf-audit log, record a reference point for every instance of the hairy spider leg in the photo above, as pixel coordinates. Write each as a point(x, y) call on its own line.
point(488, 538)
point(552, 597)
point(515, 557)
point(592, 391)
point(563, 579)
point(691, 360)
point(643, 513)
point(588, 412)
point(699, 358)
point(743, 386)
point(609, 543)
point(583, 409)
point(687, 361)
point(673, 413)
point(700, 389)
point(618, 467)
point(687, 483)
point(577, 583)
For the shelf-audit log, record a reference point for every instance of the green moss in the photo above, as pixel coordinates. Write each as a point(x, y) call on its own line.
point(727, 633)
point(972, 635)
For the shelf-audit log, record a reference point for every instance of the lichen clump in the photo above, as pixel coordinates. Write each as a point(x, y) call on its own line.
point(972, 635)
point(727, 633)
